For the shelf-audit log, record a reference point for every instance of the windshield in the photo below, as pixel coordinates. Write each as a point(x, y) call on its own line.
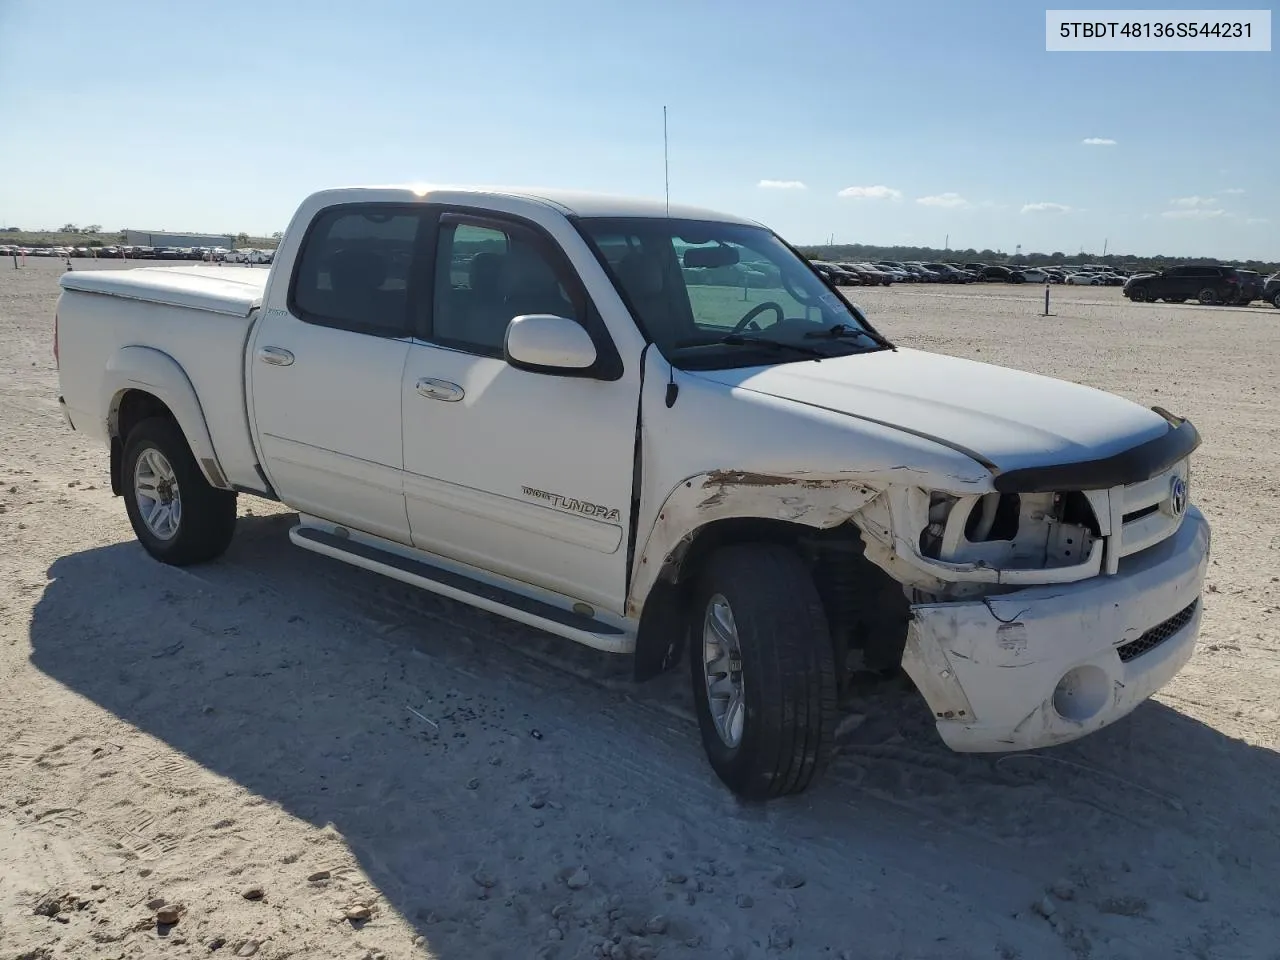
point(714, 295)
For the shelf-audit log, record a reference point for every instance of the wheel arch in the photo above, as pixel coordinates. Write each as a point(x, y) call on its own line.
point(717, 509)
point(142, 382)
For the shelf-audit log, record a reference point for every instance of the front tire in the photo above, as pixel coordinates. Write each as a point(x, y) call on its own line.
point(763, 672)
point(1138, 295)
point(177, 517)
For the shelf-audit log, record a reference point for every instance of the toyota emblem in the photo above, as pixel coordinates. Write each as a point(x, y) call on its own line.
point(1178, 496)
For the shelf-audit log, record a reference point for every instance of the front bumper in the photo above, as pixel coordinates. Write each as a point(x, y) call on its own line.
point(1043, 665)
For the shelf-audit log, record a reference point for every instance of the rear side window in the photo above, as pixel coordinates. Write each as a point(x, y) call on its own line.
point(354, 267)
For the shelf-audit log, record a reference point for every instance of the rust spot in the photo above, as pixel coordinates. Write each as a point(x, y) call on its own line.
point(744, 478)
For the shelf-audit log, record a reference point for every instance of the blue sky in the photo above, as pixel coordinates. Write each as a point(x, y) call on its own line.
point(946, 118)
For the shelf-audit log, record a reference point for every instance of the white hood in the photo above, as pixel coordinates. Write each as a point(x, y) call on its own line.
point(1011, 418)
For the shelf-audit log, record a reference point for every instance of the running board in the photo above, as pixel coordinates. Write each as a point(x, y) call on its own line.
point(458, 586)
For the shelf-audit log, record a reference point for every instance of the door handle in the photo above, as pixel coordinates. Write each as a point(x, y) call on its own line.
point(276, 355)
point(440, 390)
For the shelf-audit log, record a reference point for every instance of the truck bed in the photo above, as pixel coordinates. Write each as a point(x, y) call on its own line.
point(230, 290)
point(200, 316)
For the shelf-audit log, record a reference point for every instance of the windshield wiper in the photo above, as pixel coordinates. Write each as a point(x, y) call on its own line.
point(739, 340)
point(841, 330)
point(834, 332)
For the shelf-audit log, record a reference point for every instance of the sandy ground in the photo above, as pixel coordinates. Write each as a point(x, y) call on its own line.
point(278, 746)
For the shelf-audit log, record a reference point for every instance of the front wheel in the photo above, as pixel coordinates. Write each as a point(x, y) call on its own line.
point(177, 516)
point(1275, 301)
point(763, 672)
point(1138, 295)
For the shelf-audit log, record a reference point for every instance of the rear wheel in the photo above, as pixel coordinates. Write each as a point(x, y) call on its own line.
point(763, 672)
point(178, 518)
point(1207, 296)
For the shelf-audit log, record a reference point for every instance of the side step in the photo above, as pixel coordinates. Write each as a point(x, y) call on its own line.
point(459, 586)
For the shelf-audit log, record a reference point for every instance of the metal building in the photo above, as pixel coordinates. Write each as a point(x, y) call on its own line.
point(159, 238)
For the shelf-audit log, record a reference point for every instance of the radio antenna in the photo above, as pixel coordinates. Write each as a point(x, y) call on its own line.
point(666, 169)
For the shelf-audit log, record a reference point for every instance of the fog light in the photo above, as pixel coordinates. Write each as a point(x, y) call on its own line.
point(1081, 693)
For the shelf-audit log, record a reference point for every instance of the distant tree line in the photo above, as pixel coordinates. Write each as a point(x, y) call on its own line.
point(856, 252)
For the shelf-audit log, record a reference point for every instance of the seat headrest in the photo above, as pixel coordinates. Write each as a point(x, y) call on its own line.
point(484, 275)
point(357, 271)
point(641, 274)
point(524, 269)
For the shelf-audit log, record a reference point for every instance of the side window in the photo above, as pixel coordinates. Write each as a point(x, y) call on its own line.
point(489, 272)
point(354, 267)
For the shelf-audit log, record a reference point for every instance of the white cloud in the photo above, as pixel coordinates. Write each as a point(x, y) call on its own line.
point(1234, 191)
point(1193, 202)
point(1098, 142)
point(1192, 213)
point(781, 185)
point(1257, 220)
point(1045, 208)
point(878, 192)
point(951, 200)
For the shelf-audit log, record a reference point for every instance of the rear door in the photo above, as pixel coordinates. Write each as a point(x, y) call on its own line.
point(524, 474)
point(326, 368)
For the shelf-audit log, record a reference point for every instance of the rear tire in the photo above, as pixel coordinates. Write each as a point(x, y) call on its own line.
point(785, 671)
point(178, 518)
point(1207, 296)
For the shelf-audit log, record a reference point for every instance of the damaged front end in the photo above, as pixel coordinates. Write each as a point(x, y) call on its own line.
point(1049, 584)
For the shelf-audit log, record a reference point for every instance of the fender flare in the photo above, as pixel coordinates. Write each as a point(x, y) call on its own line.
point(733, 494)
point(155, 372)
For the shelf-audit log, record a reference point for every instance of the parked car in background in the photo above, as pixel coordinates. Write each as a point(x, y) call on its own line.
point(1208, 284)
point(996, 272)
point(899, 274)
point(1271, 290)
point(1083, 278)
point(947, 273)
point(1250, 286)
point(872, 274)
point(1029, 275)
point(923, 273)
point(904, 274)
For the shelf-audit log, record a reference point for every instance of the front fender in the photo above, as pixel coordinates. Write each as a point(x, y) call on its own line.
point(724, 494)
point(155, 372)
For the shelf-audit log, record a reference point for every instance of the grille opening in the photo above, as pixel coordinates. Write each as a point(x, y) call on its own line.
point(1074, 508)
point(1157, 634)
point(1139, 514)
point(1005, 526)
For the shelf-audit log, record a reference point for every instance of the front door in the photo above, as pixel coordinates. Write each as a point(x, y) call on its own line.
point(326, 369)
point(525, 474)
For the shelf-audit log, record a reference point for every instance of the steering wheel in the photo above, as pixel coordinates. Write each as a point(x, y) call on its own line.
point(750, 316)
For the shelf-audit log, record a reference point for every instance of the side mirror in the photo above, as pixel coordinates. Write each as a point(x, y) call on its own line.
point(543, 343)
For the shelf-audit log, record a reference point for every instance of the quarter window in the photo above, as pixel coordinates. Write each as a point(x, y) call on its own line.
point(354, 268)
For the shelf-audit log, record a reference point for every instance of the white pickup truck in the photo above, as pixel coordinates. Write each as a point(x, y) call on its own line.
point(652, 431)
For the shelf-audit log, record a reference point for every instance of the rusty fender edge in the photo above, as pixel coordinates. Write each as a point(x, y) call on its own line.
point(733, 494)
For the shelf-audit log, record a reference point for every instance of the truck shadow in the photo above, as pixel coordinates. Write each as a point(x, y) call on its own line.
point(471, 765)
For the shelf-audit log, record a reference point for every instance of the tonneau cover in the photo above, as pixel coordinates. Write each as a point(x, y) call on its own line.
point(232, 290)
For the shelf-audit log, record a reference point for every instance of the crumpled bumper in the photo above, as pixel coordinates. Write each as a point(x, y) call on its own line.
point(1053, 663)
